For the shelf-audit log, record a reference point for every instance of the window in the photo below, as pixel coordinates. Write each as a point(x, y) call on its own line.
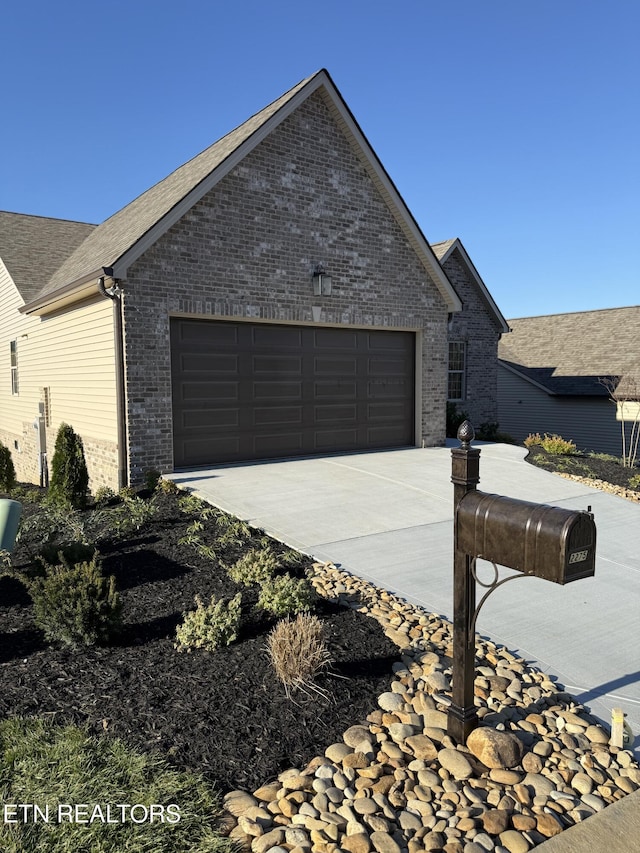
point(13, 346)
point(457, 368)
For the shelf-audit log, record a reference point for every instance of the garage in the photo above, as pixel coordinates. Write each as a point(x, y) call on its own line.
point(244, 391)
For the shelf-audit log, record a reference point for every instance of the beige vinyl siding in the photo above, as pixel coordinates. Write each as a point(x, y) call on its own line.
point(588, 421)
point(72, 353)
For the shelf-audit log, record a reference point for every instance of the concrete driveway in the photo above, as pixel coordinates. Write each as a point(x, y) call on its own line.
point(388, 517)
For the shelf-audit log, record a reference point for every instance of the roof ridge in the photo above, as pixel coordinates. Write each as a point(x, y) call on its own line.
point(49, 218)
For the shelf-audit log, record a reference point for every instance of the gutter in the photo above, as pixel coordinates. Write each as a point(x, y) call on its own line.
point(115, 294)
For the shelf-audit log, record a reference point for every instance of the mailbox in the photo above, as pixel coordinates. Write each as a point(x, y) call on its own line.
point(549, 542)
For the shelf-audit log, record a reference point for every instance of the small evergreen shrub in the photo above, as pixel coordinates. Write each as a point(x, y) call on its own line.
point(151, 479)
point(454, 420)
point(167, 487)
point(285, 595)
point(298, 652)
point(104, 495)
point(133, 513)
point(558, 446)
point(256, 566)
point(76, 604)
point(209, 627)
point(7, 470)
point(634, 481)
point(69, 476)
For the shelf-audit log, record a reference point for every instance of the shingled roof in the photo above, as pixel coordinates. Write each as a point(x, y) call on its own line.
point(122, 238)
point(31, 246)
point(569, 354)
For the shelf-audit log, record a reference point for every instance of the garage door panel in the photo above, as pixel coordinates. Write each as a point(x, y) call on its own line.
point(277, 415)
point(251, 391)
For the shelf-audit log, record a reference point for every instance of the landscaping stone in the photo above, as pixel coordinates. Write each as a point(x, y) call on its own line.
point(495, 749)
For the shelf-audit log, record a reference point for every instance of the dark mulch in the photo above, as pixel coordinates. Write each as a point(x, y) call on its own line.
point(224, 713)
point(584, 465)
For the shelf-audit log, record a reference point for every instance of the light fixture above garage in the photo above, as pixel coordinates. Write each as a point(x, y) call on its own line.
point(321, 281)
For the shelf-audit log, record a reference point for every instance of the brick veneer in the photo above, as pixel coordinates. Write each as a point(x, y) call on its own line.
point(247, 250)
point(477, 327)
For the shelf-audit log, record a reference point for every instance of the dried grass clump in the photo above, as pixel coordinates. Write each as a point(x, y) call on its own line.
point(299, 653)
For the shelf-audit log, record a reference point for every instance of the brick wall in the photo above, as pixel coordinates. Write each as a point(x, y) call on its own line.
point(247, 250)
point(475, 325)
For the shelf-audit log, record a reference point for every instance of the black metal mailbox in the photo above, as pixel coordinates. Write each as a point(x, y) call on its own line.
point(549, 542)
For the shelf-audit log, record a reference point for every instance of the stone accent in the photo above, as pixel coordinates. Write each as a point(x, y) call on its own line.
point(247, 250)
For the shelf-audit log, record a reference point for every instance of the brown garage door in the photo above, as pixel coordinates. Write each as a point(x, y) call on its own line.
point(259, 391)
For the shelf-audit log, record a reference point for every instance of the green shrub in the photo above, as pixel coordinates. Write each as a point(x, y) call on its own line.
point(634, 481)
point(209, 627)
point(298, 652)
point(256, 566)
point(151, 479)
point(284, 595)
point(490, 431)
point(557, 445)
point(76, 604)
point(167, 487)
point(69, 476)
point(133, 513)
point(7, 471)
point(104, 495)
point(454, 420)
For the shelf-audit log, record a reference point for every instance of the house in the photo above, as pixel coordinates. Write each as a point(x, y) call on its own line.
point(554, 370)
point(473, 336)
point(272, 297)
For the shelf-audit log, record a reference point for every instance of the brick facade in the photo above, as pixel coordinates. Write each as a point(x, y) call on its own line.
point(477, 327)
point(247, 249)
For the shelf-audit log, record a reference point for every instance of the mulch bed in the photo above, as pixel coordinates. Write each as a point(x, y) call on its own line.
point(224, 713)
point(583, 465)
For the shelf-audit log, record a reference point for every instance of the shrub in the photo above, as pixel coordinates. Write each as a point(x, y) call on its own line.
point(454, 420)
point(256, 566)
point(209, 627)
point(490, 431)
point(151, 479)
point(7, 471)
point(69, 476)
point(557, 445)
point(634, 481)
point(534, 439)
point(133, 513)
point(76, 604)
point(284, 595)
point(104, 495)
point(167, 487)
point(298, 652)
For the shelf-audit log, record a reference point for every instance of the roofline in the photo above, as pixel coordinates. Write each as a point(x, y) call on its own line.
point(68, 294)
point(528, 379)
point(457, 244)
point(376, 170)
point(572, 313)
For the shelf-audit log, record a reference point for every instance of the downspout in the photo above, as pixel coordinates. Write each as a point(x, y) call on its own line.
point(115, 294)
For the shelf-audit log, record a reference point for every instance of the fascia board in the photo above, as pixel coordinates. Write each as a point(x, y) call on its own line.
point(73, 292)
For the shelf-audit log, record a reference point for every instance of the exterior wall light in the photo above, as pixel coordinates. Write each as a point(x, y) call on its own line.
point(321, 281)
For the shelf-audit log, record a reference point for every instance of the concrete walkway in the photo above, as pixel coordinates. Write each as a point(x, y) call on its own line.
point(388, 517)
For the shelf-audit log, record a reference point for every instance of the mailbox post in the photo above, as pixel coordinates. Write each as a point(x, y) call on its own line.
point(542, 541)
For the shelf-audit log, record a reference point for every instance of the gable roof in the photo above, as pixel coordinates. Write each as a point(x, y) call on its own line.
point(31, 246)
point(444, 250)
point(122, 238)
point(568, 354)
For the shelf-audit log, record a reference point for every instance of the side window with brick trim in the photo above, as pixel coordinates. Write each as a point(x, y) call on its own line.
point(457, 370)
point(13, 347)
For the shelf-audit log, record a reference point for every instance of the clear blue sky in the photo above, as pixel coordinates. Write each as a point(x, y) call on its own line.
point(512, 125)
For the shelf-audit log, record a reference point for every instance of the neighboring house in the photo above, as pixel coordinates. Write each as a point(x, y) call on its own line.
point(473, 337)
point(270, 298)
point(551, 372)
